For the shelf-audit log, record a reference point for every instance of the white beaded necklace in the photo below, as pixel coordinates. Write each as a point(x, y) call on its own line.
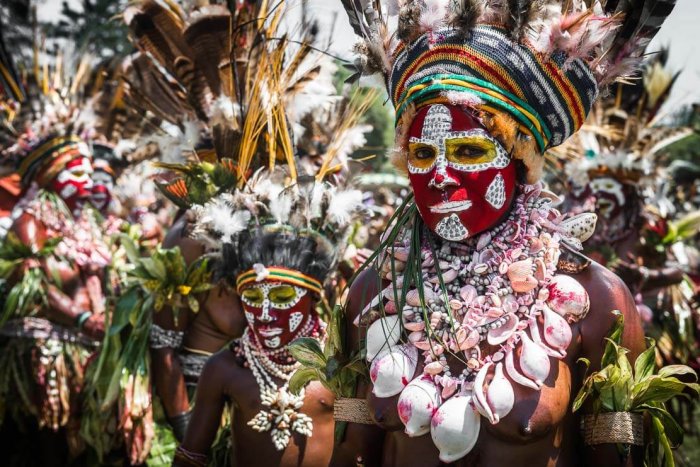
point(283, 414)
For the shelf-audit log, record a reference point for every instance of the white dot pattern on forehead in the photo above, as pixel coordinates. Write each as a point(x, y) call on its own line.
point(496, 192)
point(437, 129)
point(451, 229)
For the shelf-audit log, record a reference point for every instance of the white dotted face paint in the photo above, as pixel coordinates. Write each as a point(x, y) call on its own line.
point(275, 311)
point(462, 177)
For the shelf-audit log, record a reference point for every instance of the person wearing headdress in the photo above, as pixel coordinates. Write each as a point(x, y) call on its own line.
point(479, 302)
point(617, 170)
point(53, 312)
point(214, 125)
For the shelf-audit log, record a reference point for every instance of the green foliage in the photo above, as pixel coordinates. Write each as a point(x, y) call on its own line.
point(620, 387)
point(168, 279)
point(683, 229)
point(333, 367)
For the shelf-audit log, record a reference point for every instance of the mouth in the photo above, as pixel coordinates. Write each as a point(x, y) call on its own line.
point(270, 332)
point(450, 206)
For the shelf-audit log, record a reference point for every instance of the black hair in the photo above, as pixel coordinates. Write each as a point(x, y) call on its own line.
point(281, 248)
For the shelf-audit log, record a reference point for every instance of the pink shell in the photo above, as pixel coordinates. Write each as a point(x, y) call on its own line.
point(414, 326)
point(400, 254)
point(434, 368)
point(568, 298)
point(520, 270)
point(468, 294)
point(392, 370)
point(534, 361)
point(525, 285)
point(500, 395)
point(467, 339)
point(455, 428)
point(417, 404)
point(500, 335)
point(557, 332)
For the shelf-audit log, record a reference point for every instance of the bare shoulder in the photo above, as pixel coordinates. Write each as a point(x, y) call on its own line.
point(607, 293)
point(177, 236)
point(220, 372)
point(362, 290)
point(29, 230)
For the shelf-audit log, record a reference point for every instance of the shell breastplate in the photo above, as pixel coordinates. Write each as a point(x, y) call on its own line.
point(499, 288)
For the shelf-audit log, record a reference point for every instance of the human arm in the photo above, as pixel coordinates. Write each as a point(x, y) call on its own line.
point(360, 441)
point(607, 292)
point(209, 405)
point(168, 376)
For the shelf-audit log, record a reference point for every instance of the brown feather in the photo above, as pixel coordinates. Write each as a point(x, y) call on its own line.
point(208, 36)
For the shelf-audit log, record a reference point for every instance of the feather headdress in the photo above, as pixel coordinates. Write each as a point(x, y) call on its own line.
point(534, 65)
point(622, 138)
point(241, 79)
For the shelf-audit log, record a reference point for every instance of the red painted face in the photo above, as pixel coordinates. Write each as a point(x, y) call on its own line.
point(74, 183)
point(103, 185)
point(276, 312)
point(462, 178)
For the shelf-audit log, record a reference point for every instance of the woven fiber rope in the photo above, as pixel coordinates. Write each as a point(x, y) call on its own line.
point(347, 409)
point(613, 428)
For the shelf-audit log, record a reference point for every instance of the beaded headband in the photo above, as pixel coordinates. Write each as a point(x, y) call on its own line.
point(548, 95)
point(288, 276)
point(49, 157)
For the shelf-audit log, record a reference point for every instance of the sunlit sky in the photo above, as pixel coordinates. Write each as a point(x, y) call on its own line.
point(680, 32)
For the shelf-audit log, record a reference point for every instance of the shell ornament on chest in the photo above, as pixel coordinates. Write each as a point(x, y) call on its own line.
point(494, 306)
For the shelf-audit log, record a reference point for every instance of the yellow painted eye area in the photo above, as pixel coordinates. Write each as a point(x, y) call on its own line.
point(282, 295)
point(253, 296)
point(470, 150)
point(421, 155)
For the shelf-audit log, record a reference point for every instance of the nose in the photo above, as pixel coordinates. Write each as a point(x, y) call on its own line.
point(442, 180)
point(265, 316)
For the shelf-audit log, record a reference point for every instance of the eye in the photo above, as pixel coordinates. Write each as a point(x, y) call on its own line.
point(467, 151)
point(252, 296)
point(424, 153)
point(282, 295)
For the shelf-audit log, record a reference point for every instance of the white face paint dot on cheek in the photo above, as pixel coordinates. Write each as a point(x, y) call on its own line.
point(295, 320)
point(68, 191)
point(496, 192)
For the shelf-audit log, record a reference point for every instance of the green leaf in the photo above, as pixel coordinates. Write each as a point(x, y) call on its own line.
point(645, 363)
point(193, 303)
point(308, 352)
point(332, 368)
point(301, 378)
point(673, 430)
point(676, 370)
point(130, 248)
point(122, 311)
point(657, 390)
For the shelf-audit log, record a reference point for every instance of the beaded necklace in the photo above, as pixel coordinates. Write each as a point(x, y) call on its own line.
point(282, 415)
point(500, 288)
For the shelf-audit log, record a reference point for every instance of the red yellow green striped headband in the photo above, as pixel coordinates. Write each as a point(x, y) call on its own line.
point(56, 151)
point(493, 96)
point(274, 273)
point(549, 95)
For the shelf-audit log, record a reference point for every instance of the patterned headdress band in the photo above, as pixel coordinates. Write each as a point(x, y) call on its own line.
point(288, 276)
point(548, 95)
point(53, 153)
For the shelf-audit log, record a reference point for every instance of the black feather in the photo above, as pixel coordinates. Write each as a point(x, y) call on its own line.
point(356, 17)
point(519, 10)
point(465, 13)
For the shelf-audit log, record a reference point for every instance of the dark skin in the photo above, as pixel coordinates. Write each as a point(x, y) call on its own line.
point(219, 320)
point(226, 381)
point(541, 429)
point(68, 302)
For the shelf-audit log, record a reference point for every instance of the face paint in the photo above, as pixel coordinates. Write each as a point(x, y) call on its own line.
point(74, 183)
point(610, 196)
point(463, 179)
point(276, 311)
point(103, 184)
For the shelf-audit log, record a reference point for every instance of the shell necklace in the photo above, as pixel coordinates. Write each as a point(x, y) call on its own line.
point(500, 287)
point(282, 415)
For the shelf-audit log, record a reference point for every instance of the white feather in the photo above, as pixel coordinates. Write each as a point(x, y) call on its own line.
point(342, 205)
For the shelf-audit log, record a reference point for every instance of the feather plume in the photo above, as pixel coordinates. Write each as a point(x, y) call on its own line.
point(464, 13)
point(519, 12)
point(342, 205)
point(433, 15)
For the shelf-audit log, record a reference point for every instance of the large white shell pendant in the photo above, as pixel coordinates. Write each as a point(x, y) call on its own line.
point(455, 428)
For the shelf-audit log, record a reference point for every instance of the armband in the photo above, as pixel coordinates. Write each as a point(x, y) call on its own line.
point(160, 338)
point(348, 409)
point(179, 424)
point(613, 428)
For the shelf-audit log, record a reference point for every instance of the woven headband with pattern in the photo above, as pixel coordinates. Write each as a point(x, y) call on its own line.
point(288, 276)
point(549, 96)
point(49, 157)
